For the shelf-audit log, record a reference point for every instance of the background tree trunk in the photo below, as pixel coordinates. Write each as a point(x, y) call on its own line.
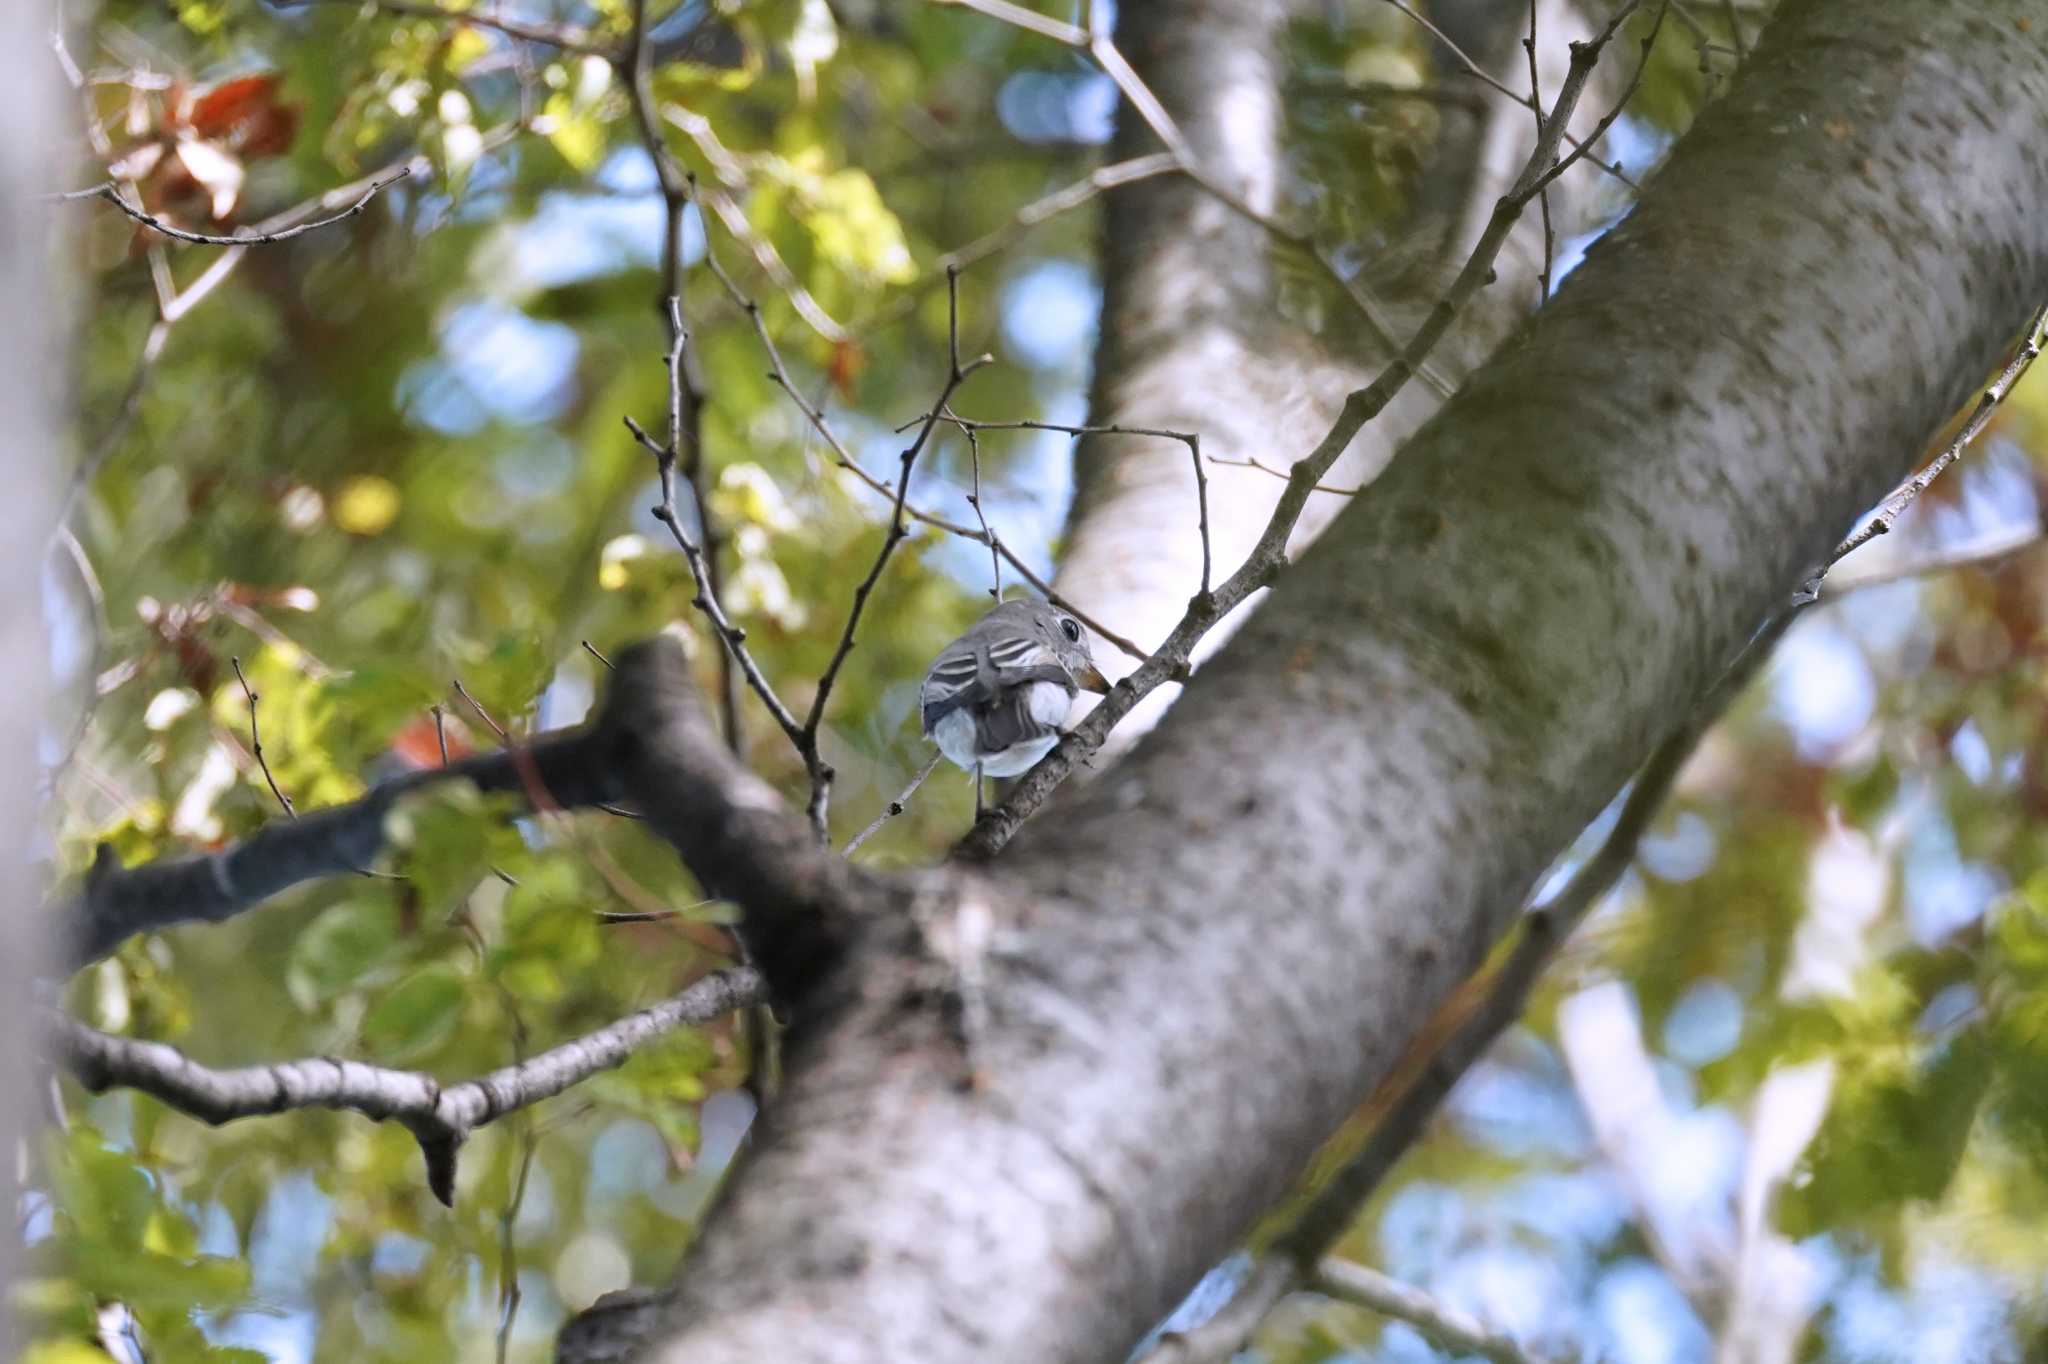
point(29, 351)
point(1192, 338)
point(1204, 962)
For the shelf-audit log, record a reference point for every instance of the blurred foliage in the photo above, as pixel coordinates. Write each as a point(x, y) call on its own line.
point(389, 454)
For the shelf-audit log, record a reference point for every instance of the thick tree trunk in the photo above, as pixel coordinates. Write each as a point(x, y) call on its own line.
point(1195, 969)
point(29, 380)
point(1193, 339)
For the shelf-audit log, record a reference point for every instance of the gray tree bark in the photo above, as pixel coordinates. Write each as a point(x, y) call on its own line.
point(1189, 974)
point(1192, 339)
point(30, 377)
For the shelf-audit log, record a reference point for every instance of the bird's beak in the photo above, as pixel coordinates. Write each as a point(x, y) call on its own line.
point(1090, 678)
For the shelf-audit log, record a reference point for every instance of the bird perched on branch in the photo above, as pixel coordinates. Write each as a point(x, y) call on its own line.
point(994, 698)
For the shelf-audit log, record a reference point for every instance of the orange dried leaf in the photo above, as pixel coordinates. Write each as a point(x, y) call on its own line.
point(216, 112)
point(844, 369)
point(244, 114)
point(419, 745)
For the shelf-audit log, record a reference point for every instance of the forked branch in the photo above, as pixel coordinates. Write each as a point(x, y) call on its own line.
point(440, 1117)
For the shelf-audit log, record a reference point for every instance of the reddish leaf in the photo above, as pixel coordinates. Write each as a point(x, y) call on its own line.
point(418, 744)
point(848, 360)
point(245, 115)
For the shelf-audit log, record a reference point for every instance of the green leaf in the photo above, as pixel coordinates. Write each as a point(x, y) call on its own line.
point(204, 17)
point(662, 1083)
point(342, 948)
point(1895, 1134)
point(418, 1015)
point(579, 137)
point(63, 1352)
point(447, 838)
point(851, 226)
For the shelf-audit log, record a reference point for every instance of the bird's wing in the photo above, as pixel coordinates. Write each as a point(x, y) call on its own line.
point(974, 672)
point(1008, 720)
point(1009, 679)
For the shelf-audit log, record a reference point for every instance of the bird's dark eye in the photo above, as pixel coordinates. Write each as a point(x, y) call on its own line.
point(1072, 630)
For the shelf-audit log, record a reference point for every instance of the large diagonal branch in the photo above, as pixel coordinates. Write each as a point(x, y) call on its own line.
point(440, 1116)
point(1192, 338)
point(1267, 557)
point(1188, 975)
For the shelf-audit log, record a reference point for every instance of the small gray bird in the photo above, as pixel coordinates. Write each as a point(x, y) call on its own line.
point(994, 698)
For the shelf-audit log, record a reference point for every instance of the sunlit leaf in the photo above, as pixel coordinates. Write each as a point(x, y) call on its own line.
point(342, 947)
point(1896, 1133)
point(416, 1015)
point(366, 506)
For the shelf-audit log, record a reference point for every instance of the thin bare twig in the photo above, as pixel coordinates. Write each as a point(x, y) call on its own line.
point(1349, 285)
point(956, 373)
point(971, 426)
point(561, 36)
point(1097, 41)
point(529, 775)
point(706, 598)
point(256, 741)
point(1171, 661)
point(995, 560)
point(1456, 1332)
point(1201, 507)
point(1102, 48)
point(1979, 553)
point(112, 194)
point(172, 308)
point(686, 382)
point(1038, 211)
point(1543, 199)
point(894, 807)
point(685, 386)
point(1340, 88)
point(1061, 201)
point(728, 168)
point(779, 374)
point(1614, 111)
point(633, 69)
point(1487, 78)
point(1902, 497)
point(481, 714)
point(1187, 438)
point(1252, 462)
point(1017, 16)
point(508, 1246)
point(1223, 1336)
